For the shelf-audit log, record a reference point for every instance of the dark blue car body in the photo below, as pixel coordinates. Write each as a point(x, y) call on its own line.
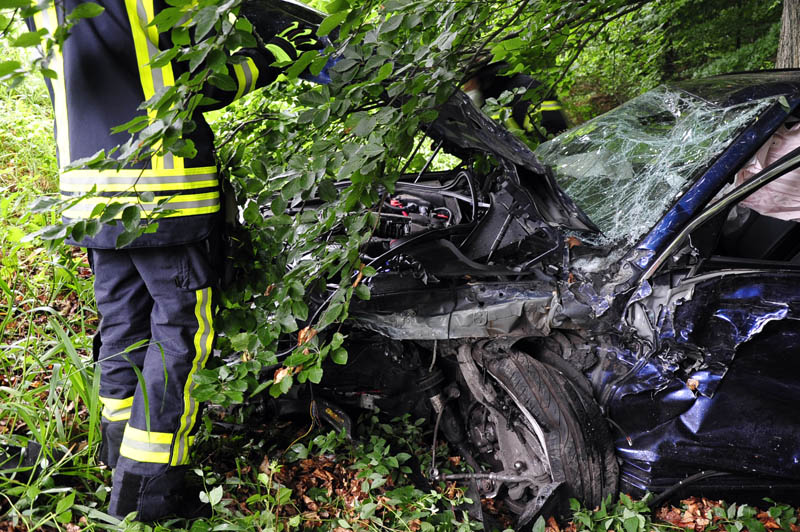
point(691, 338)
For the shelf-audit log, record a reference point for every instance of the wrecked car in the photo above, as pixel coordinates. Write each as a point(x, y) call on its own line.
point(615, 312)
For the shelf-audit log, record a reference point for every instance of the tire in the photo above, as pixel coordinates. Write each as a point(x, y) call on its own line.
point(579, 444)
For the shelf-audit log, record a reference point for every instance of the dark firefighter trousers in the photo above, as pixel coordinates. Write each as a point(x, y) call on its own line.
point(157, 307)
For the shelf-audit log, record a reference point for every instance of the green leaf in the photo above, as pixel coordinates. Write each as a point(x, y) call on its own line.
point(384, 72)
point(7, 67)
point(365, 126)
point(327, 190)
point(215, 495)
point(66, 503)
point(631, 524)
point(362, 292)
point(29, 38)
point(166, 19)
point(164, 58)
point(315, 375)
point(330, 22)
point(78, 230)
point(222, 81)
point(337, 340)
point(337, 5)
point(125, 238)
point(339, 356)
point(131, 216)
point(204, 20)
point(330, 315)
point(368, 509)
point(180, 36)
point(111, 211)
point(14, 4)
point(393, 23)
point(85, 10)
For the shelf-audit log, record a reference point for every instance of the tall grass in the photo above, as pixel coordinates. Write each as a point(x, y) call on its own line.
point(47, 383)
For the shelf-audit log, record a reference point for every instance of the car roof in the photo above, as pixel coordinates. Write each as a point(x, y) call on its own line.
point(732, 89)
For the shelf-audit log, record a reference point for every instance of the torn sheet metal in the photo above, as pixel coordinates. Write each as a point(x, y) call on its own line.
point(475, 311)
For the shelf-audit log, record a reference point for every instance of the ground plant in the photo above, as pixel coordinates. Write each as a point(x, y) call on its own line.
point(398, 60)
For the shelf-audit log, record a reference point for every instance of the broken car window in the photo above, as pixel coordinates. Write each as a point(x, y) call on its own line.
point(626, 167)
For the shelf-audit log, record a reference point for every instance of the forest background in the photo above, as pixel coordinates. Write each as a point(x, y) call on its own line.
point(593, 54)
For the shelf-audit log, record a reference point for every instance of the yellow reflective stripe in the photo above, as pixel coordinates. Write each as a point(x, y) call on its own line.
point(154, 187)
point(143, 436)
point(253, 74)
point(183, 205)
point(241, 82)
point(140, 46)
point(278, 53)
point(80, 212)
point(550, 105)
point(134, 200)
point(145, 42)
point(203, 340)
point(512, 124)
point(116, 409)
point(47, 18)
point(116, 404)
point(246, 77)
point(156, 457)
point(138, 175)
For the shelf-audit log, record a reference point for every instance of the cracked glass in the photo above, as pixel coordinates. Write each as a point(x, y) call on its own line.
point(627, 167)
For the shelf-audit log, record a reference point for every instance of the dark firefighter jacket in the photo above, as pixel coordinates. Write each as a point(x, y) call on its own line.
point(103, 75)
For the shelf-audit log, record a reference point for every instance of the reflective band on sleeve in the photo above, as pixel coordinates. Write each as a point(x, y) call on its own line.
point(47, 18)
point(145, 41)
point(550, 105)
point(246, 77)
point(241, 82)
point(144, 446)
point(116, 409)
point(203, 340)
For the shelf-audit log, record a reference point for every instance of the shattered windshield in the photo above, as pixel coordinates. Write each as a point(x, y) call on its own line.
point(626, 167)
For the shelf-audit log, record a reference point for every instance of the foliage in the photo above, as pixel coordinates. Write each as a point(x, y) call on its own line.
point(667, 41)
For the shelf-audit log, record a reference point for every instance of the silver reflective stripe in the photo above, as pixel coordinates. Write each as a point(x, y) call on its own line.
point(167, 160)
point(248, 77)
point(152, 49)
point(176, 205)
point(75, 178)
point(119, 414)
point(144, 446)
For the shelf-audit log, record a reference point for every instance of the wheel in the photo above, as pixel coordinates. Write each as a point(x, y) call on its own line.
point(579, 447)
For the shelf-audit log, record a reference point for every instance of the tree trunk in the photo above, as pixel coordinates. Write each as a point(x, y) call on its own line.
point(789, 45)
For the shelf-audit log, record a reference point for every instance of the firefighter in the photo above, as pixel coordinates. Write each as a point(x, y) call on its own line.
point(157, 296)
point(540, 121)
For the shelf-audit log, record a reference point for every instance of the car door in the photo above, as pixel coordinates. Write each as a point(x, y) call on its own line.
point(723, 381)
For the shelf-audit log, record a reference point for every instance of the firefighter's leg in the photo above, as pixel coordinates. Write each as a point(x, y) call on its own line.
point(155, 446)
point(125, 305)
